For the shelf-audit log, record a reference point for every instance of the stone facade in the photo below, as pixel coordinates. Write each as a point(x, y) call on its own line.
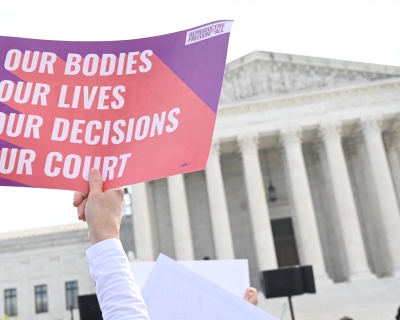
point(304, 168)
point(325, 133)
point(52, 257)
point(48, 256)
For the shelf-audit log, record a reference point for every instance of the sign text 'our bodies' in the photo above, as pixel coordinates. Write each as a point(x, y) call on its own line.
point(90, 65)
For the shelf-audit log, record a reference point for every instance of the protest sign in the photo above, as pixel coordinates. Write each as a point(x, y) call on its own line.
point(175, 292)
point(138, 110)
point(232, 275)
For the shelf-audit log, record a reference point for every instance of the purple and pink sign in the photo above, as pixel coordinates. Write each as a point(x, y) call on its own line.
point(138, 110)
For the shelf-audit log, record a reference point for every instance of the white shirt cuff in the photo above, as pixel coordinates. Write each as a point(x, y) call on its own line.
point(103, 246)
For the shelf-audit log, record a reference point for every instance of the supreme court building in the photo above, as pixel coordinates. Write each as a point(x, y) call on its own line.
point(304, 168)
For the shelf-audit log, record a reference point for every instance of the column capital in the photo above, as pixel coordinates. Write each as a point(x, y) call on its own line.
point(248, 143)
point(215, 148)
point(330, 130)
point(290, 136)
point(371, 124)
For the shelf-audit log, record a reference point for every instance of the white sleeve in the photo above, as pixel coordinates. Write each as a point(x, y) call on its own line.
point(118, 295)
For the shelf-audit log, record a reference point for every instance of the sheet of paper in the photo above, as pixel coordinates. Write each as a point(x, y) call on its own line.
point(138, 110)
point(173, 292)
point(232, 275)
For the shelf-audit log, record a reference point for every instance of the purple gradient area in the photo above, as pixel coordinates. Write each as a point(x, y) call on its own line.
point(10, 183)
point(7, 110)
point(6, 75)
point(5, 144)
point(200, 65)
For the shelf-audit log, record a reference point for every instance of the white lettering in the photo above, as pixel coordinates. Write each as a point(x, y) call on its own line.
point(42, 94)
point(139, 134)
point(107, 59)
point(72, 66)
point(173, 120)
point(9, 63)
point(64, 125)
point(48, 59)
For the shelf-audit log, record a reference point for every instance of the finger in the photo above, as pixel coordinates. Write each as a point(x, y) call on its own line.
point(81, 210)
point(117, 194)
point(95, 180)
point(119, 191)
point(78, 198)
point(247, 294)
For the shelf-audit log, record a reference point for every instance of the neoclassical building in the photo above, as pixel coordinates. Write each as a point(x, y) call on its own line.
point(304, 168)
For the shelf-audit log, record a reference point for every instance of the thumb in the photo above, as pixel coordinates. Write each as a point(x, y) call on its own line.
point(95, 181)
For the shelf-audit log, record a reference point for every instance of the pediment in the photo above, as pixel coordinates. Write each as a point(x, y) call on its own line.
point(265, 75)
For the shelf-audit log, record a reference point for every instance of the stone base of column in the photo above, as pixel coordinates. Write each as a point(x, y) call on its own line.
point(361, 276)
point(396, 272)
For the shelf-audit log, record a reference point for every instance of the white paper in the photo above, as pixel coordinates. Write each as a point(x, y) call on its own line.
point(173, 292)
point(232, 275)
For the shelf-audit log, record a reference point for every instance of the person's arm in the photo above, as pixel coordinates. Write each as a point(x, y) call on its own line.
point(117, 292)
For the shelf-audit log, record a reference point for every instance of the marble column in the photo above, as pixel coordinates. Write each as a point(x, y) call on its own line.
point(392, 144)
point(141, 223)
point(306, 230)
point(367, 206)
point(180, 218)
point(218, 206)
point(383, 184)
point(344, 204)
point(260, 220)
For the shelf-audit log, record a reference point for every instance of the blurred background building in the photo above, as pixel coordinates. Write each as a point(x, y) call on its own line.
point(304, 169)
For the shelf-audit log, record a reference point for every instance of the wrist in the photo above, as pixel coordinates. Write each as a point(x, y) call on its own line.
point(99, 237)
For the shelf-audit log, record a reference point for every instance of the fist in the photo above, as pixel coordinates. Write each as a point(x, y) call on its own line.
point(101, 210)
point(251, 295)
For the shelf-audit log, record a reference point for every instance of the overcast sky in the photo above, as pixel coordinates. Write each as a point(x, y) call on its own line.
point(365, 31)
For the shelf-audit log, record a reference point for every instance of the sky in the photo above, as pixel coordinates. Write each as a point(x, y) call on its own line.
point(365, 31)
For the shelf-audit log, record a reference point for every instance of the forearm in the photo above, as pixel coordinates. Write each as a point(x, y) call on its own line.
point(117, 292)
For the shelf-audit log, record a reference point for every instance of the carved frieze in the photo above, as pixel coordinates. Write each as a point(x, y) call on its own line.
point(327, 101)
point(271, 78)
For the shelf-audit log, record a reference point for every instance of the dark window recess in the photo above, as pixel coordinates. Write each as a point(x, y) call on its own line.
point(285, 243)
point(71, 294)
point(127, 210)
point(10, 302)
point(41, 298)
